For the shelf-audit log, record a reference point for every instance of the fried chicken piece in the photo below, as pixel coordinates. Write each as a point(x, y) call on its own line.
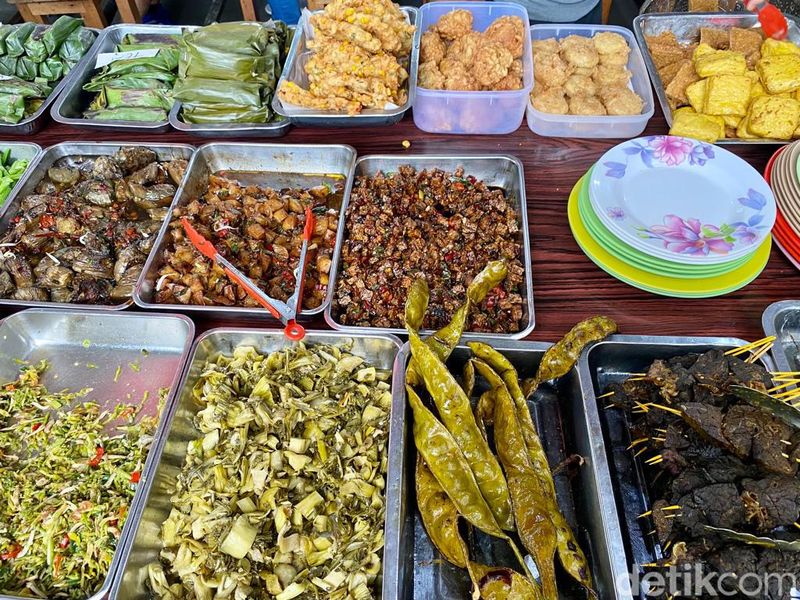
point(623, 102)
point(430, 76)
point(548, 46)
point(508, 31)
point(551, 70)
point(586, 105)
point(492, 63)
point(580, 84)
point(514, 79)
point(579, 51)
point(549, 100)
point(465, 48)
point(431, 47)
point(292, 93)
point(454, 24)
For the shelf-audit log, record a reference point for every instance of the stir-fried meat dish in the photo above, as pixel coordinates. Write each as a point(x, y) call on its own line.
point(258, 229)
point(85, 234)
point(441, 226)
point(712, 462)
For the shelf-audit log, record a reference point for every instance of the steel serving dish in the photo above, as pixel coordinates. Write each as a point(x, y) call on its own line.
point(782, 319)
point(84, 349)
point(282, 165)
point(33, 123)
point(294, 71)
point(613, 361)
point(69, 107)
point(20, 151)
point(38, 170)
point(501, 171)
point(567, 426)
point(143, 545)
point(686, 27)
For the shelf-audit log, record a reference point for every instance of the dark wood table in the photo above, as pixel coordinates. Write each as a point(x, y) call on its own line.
point(567, 285)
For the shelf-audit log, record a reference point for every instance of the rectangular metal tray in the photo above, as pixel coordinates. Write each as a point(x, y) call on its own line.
point(69, 107)
point(293, 71)
point(567, 426)
point(38, 170)
point(612, 361)
point(502, 171)
point(21, 151)
point(69, 340)
point(286, 162)
point(228, 130)
point(143, 546)
point(686, 27)
point(34, 123)
point(782, 319)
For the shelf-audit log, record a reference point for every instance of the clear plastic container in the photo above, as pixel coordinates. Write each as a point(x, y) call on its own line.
point(442, 111)
point(577, 126)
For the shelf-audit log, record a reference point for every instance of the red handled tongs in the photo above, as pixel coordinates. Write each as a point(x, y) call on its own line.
point(285, 311)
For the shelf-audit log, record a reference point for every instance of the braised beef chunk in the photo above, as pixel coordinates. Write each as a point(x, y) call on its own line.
point(718, 505)
point(707, 421)
point(723, 469)
point(772, 501)
point(711, 370)
point(732, 559)
point(755, 434)
point(750, 375)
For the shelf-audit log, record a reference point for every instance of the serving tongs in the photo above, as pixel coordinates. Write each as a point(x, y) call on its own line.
point(287, 311)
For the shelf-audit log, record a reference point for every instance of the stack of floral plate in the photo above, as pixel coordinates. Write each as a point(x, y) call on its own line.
point(674, 216)
point(783, 175)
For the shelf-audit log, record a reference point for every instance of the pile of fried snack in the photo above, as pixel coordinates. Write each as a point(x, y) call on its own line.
point(732, 84)
point(361, 51)
point(453, 56)
point(584, 76)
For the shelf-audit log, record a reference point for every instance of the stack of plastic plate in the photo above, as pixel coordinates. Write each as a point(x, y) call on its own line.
point(783, 175)
point(675, 217)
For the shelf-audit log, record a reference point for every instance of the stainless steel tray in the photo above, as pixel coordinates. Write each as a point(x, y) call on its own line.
point(38, 170)
point(503, 171)
point(567, 426)
point(25, 151)
point(143, 545)
point(782, 319)
point(69, 107)
point(114, 339)
point(611, 361)
point(686, 27)
point(226, 130)
point(287, 163)
point(293, 71)
point(34, 123)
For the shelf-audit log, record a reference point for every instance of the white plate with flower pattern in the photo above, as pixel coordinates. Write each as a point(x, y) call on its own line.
point(682, 200)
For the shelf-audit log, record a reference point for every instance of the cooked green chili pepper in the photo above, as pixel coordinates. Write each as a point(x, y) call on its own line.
point(443, 341)
point(532, 506)
point(562, 356)
point(484, 407)
point(456, 413)
point(468, 379)
point(502, 583)
point(569, 552)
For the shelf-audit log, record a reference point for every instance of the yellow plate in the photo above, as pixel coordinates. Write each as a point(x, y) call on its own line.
point(662, 284)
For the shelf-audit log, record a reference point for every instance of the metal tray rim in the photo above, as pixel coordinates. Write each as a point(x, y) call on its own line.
point(234, 310)
point(85, 71)
point(768, 320)
point(24, 179)
point(116, 583)
point(160, 434)
point(526, 250)
point(327, 119)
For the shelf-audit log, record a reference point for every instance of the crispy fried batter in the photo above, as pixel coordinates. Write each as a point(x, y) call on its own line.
point(514, 79)
point(291, 93)
point(492, 63)
point(454, 24)
point(465, 48)
point(579, 51)
point(548, 46)
point(586, 105)
point(580, 84)
point(551, 70)
point(623, 101)
point(430, 77)
point(431, 47)
point(508, 31)
point(616, 76)
point(609, 42)
point(549, 100)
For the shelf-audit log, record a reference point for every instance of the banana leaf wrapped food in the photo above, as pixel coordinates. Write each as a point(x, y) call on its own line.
point(51, 69)
point(127, 113)
point(8, 65)
point(27, 69)
point(163, 39)
point(15, 41)
point(76, 45)
point(55, 35)
point(113, 97)
point(221, 113)
point(5, 30)
point(12, 108)
point(196, 90)
point(34, 46)
point(26, 89)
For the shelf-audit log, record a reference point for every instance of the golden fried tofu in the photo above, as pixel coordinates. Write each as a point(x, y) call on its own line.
point(703, 5)
point(720, 62)
point(623, 101)
point(454, 24)
point(431, 47)
point(578, 85)
point(716, 38)
point(551, 70)
point(696, 93)
point(663, 55)
point(780, 72)
point(549, 100)
point(748, 42)
point(586, 106)
point(492, 62)
point(701, 50)
point(509, 32)
point(666, 38)
point(743, 130)
point(688, 123)
point(796, 133)
point(677, 87)
point(548, 46)
point(668, 73)
point(771, 47)
point(727, 95)
point(774, 118)
point(732, 121)
point(579, 51)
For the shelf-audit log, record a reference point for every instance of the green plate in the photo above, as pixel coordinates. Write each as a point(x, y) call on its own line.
point(639, 259)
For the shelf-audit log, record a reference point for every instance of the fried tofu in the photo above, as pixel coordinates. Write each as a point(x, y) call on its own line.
point(696, 93)
point(664, 55)
point(720, 62)
point(780, 72)
point(719, 39)
point(771, 47)
point(701, 50)
point(748, 42)
point(727, 95)
point(743, 130)
point(703, 5)
point(668, 72)
point(732, 121)
point(774, 118)
point(683, 78)
point(688, 123)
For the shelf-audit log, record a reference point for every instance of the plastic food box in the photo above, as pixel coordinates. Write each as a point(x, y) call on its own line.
point(578, 126)
point(442, 111)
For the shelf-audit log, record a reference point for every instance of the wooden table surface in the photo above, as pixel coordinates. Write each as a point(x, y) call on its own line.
point(567, 285)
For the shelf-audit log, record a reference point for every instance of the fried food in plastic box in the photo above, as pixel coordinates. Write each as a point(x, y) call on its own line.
point(688, 123)
point(612, 48)
point(548, 46)
point(514, 79)
point(612, 75)
point(492, 62)
point(719, 39)
point(623, 101)
point(431, 47)
point(696, 93)
point(430, 76)
point(720, 62)
point(579, 51)
point(676, 89)
point(727, 95)
point(465, 48)
point(454, 24)
point(549, 100)
point(586, 105)
point(780, 72)
point(580, 84)
point(550, 69)
point(774, 118)
point(509, 31)
point(771, 47)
